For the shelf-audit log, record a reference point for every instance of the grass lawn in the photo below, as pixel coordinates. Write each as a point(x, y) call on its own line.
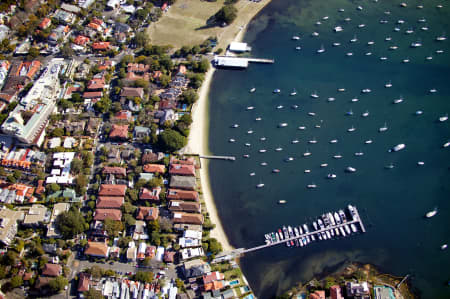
point(182, 24)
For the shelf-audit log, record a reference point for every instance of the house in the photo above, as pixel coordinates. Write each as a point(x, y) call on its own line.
point(183, 182)
point(187, 218)
point(152, 195)
point(101, 46)
point(83, 282)
point(70, 8)
point(358, 290)
point(335, 292)
point(184, 206)
point(109, 202)
point(178, 194)
point(146, 176)
point(112, 190)
point(97, 249)
point(96, 84)
point(168, 114)
point(154, 168)
point(119, 132)
point(147, 213)
point(81, 40)
point(52, 270)
point(123, 115)
point(195, 268)
point(169, 256)
point(212, 276)
point(132, 92)
point(92, 126)
point(92, 94)
point(151, 157)
point(140, 231)
point(141, 132)
point(131, 254)
point(58, 209)
point(46, 22)
point(37, 215)
point(180, 169)
point(181, 69)
point(317, 295)
point(102, 214)
point(138, 68)
point(8, 225)
point(117, 171)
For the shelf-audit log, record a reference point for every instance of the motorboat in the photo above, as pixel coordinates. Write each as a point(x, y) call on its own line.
point(347, 19)
point(263, 164)
point(341, 10)
point(312, 186)
point(262, 150)
point(337, 218)
point(361, 25)
point(258, 118)
point(235, 126)
point(288, 159)
point(321, 50)
point(416, 44)
point(383, 21)
point(324, 165)
point(365, 114)
point(338, 29)
point(295, 37)
point(354, 39)
point(315, 33)
point(247, 144)
point(341, 89)
point(352, 129)
point(318, 23)
point(294, 92)
point(338, 156)
point(419, 112)
point(250, 132)
point(331, 176)
point(370, 43)
point(347, 229)
point(307, 171)
point(388, 85)
point(354, 100)
point(358, 154)
point(431, 213)
point(369, 141)
point(312, 141)
point(420, 163)
point(433, 90)
point(294, 106)
point(439, 51)
point(383, 58)
point(231, 140)
point(398, 147)
point(253, 89)
point(260, 185)
point(409, 31)
point(424, 28)
point(315, 225)
point(443, 118)
point(389, 166)
point(359, 7)
point(384, 128)
point(278, 149)
point(298, 48)
point(349, 54)
point(400, 22)
point(366, 90)
point(393, 48)
point(252, 174)
point(398, 101)
point(325, 18)
point(441, 38)
point(263, 138)
point(246, 156)
point(328, 234)
point(447, 144)
point(275, 170)
point(282, 201)
point(350, 169)
point(250, 107)
point(406, 60)
point(295, 141)
point(336, 44)
point(331, 99)
point(302, 128)
point(282, 125)
point(444, 246)
point(311, 113)
point(314, 95)
point(333, 141)
point(280, 107)
point(276, 90)
point(353, 227)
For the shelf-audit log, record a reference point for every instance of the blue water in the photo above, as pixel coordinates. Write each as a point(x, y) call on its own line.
point(392, 202)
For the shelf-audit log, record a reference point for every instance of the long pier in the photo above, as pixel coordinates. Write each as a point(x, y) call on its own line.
point(260, 60)
point(229, 158)
point(356, 219)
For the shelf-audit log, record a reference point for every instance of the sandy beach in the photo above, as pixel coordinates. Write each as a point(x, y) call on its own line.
point(198, 137)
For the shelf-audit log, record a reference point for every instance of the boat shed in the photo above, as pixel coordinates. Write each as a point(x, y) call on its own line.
point(230, 62)
point(239, 47)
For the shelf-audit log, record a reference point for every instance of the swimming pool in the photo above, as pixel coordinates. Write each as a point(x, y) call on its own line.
point(234, 282)
point(249, 296)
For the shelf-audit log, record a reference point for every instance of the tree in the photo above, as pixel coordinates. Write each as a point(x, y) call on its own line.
point(16, 281)
point(171, 141)
point(165, 224)
point(58, 284)
point(214, 246)
point(17, 174)
point(202, 66)
point(143, 276)
point(81, 182)
point(58, 132)
point(92, 294)
point(54, 187)
point(67, 51)
point(70, 223)
point(189, 96)
point(113, 227)
point(33, 53)
point(76, 165)
point(129, 219)
point(164, 80)
point(128, 208)
point(141, 39)
point(226, 14)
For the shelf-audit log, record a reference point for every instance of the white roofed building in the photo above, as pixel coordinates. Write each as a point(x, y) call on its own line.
point(239, 47)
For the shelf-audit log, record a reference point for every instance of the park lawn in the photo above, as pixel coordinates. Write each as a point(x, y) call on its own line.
point(182, 24)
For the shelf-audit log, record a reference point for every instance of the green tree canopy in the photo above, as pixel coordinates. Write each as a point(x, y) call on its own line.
point(226, 14)
point(70, 223)
point(58, 284)
point(171, 141)
point(189, 96)
point(113, 227)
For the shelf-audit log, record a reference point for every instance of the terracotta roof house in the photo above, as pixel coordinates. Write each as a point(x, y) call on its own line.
point(335, 292)
point(81, 40)
point(182, 69)
point(184, 161)
point(132, 92)
point(95, 26)
point(151, 157)
point(102, 214)
point(52, 270)
point(96, 84)
point(112, 190)
point(188, 218)
point(154, 168)
point(138, 67)
point(92, 94)
point(118, 171)
point(183, 182)
point(119, 132)
point(180, 169)
point(147, 213)
point(101, 46)
point(214, 286)
point(123, 115)
point(97, 249)
point(109, 202)
point(46, 22)
point(83, 282)
point(153, 194)
point(317, 295)
point(184, 206)
point(169, 256)
point(179, 194)
point(42, 282)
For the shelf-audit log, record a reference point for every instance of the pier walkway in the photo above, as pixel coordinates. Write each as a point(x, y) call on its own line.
point(229, 158)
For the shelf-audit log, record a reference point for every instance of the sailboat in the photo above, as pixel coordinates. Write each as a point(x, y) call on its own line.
point(383, 128)
point(294, 92)
point(321, 50)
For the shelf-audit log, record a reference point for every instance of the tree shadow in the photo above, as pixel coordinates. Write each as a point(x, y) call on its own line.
point(210, 23)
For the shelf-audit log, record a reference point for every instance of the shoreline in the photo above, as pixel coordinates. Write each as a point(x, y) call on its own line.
point(199, 134)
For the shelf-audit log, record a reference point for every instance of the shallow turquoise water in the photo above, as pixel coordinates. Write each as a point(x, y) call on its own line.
point(392, 202)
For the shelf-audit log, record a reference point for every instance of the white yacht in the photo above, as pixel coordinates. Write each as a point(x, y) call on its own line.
point(447, 144)
point(246, 156)
point(293, 92)
point(260, 185)
point(321, 50)
point(295, 141)
point(358, 154)
point(347, 19)
point(252, 174)
point(433, 90)
point(388, 85)
point(333, 141)
point(262, 150)
point(338, 29)
point(311, 113)
point(282, 125)
point(398, 101)
point(406, 60)
point(336, 44)
point(369, 141)
point(388, 38)
point(253, 89)
point(315, 33)
point(250, 132)
point(439, 51)
point(302, 128)
point(366, 90)
point(409, 31)
point(338, 156)
point(398, 147)
point(312, 186)
point(419, 112)
point(307, 171)
point(365, 114)
point(247, 144)
point(289, 159)
point(278, 149)
point(370, 43)
point(263, 138)
point(331, 99)
point(349, 54)
point(420, 163)
point(280, 107)
point(341, 89)
point(354, 39)
point(444, 246)
point(443, 118)
point(383, 58)
point(312, 141)
point(331, 176)
point(400, 21)
point(235, 126)
point(231, 140)
point(431, 213)
point(368, 53)
point(295, 37)
point(350, 169)
point(441, 38)
point(258, 118)
point(393, 48)
point(384, 128)
point(277, 90)
point(424, 28)
point(263, 164)
point(306, 154)
point(314, 95)
point(352, 129)
point(416, 44)
point(324, 165)
point(361, 25)
point(354, 100)
point(250, 107)
point(298, 48)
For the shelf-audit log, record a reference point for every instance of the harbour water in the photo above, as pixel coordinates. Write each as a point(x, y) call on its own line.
point(392, 201)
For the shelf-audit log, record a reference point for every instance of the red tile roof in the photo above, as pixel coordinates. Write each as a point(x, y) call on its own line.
point(81, 40)
point(101, 46)
point(138, 67)
point(112, 190)
point(147, 213)
point(212, 286)
point(182, 69)
point(83, 282)
point(119, 131)
point(188, 218)
point(123, 115)
point(96, 249)
point(182, 194)
point(146, 194)
point(92, 94)
point(169, 256)
point(113, 214)
point(210, 277)
point(97, 83)
point(180, 169)
point(109, 202)
point(154, 168)
point(52, 270)
point(114, 170)
point(184, 206)
point(95, 26)
point(45, 23)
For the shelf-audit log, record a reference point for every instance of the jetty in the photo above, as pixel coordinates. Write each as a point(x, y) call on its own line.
point(238, 62)
point(356, 219)
point(229, 158)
